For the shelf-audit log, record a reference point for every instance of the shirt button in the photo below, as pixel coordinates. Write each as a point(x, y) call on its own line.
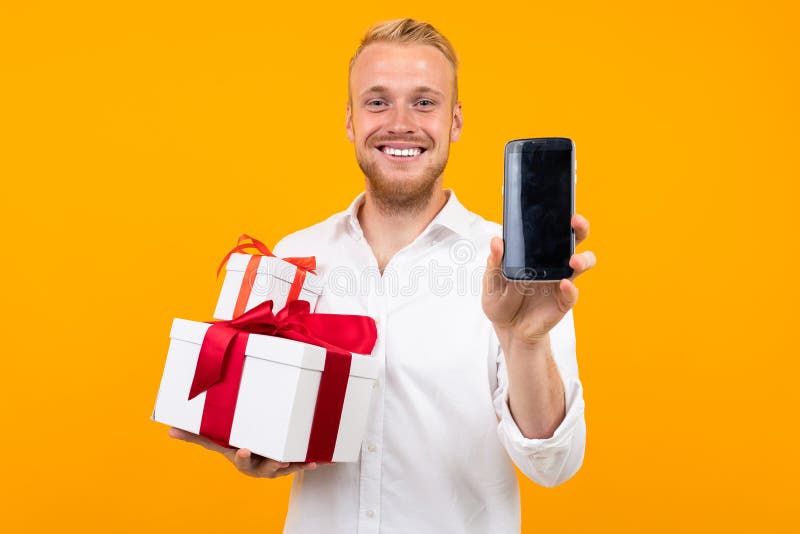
point(370, 513)
point(371, 447)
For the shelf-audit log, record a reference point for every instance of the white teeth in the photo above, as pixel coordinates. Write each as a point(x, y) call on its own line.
point(405, 152)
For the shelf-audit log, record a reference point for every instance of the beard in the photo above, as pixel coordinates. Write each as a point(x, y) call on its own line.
point(406, 195)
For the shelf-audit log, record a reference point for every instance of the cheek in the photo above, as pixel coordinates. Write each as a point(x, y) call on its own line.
point(365, 128)
point(440, 132)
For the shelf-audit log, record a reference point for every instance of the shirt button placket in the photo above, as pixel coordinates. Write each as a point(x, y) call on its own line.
point(370, 479)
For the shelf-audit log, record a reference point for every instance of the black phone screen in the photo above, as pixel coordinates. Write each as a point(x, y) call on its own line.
point(538, 207)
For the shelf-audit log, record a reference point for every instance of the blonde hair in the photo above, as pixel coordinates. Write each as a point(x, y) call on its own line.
point(409, 31)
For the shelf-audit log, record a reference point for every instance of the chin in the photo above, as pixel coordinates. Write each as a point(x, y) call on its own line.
point(401, 193)
point(401, 190)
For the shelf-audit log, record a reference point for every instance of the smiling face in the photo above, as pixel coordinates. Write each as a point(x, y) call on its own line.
point(402, 117)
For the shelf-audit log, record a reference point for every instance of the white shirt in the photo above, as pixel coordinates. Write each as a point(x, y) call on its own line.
point(435, 457)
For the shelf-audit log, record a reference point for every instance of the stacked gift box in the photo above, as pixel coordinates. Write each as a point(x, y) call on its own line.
point(270, 375)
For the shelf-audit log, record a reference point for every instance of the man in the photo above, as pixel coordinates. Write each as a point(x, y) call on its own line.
point(470, 374)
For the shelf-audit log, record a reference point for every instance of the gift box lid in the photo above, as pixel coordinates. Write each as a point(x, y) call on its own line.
point(276, 267)
point(277, 349)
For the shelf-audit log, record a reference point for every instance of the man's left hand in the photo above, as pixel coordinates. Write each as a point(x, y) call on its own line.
point(524, 312)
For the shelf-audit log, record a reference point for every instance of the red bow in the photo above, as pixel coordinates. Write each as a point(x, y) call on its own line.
point(221, 359)
point(258, 249)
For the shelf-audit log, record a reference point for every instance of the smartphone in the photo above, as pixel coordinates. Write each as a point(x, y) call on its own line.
point(538, 204)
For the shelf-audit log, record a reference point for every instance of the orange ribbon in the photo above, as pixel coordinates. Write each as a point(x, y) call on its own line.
point(255, 248)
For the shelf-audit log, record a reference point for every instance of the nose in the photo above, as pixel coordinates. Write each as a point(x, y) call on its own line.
point(401, 121)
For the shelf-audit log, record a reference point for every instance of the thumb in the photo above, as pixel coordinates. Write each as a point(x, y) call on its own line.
point(493, 282)
point(495, 254)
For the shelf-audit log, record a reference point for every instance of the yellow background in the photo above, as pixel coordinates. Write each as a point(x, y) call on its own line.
point(138, 139)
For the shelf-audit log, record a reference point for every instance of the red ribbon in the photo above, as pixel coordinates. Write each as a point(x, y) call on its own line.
point(221, 359)
point(257, 249)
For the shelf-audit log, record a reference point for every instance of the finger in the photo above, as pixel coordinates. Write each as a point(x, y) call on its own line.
point(581, 226)
point(253, 465)
point(568, 295)
point(183, 435)
point(493, 281)
point(495, 254)
point(295, 467)
point(581, 263)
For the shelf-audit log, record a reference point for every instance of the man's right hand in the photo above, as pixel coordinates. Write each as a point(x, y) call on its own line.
point(245, 461)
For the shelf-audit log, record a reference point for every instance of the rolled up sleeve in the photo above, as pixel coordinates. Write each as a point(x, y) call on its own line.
point(552, 460)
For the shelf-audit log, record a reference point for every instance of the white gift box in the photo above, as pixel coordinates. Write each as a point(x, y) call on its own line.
point(277, 394)
point(272, 281)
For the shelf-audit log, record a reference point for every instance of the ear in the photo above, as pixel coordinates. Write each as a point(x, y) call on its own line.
point(348, 123)
point(458, 123)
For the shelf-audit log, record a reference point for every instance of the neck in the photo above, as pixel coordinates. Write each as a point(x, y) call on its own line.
point(389, 230)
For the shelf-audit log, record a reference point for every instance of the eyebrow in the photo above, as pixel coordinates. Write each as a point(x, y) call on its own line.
point(418, 89)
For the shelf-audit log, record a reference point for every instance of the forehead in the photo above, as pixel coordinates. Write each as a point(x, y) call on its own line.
point(401, 66)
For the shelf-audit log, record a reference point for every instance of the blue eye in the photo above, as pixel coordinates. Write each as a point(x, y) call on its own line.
point(426, 103)
point(375, 103)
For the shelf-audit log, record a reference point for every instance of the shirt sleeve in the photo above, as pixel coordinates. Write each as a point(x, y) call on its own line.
point(553, 460)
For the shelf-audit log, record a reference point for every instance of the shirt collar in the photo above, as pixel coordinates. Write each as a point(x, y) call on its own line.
point(351, 217)
point(453, 216)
